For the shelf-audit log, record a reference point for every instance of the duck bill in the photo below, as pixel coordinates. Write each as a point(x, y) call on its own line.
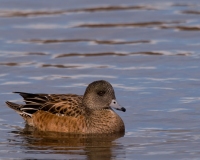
point(114, 104)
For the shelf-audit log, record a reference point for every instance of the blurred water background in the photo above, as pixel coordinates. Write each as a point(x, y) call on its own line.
point(148, 50)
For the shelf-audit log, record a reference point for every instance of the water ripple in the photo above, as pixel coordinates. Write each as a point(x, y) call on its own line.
point(139, 24)
point(182, 28)
point(136, 68)
point(77, 66)
point(15, 83)
point(157, 24)
point(18, 54)
point(177, 53)
point(128, 88)
point(44, 12)
point(17, 64)
point(89, 54)
point(182, 5)
point(190, 99)
point(107, 42)
point(191, 12)
point(79, 76)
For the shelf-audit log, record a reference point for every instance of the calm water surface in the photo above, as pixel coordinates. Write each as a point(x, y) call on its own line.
point(148, 50)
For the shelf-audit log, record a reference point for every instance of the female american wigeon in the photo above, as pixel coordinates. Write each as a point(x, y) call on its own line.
point(70, 113)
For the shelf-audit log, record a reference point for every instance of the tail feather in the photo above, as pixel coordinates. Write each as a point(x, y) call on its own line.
point(26, 95)
point(19, 109)
point(33, 104)
point(31, 98)
point(14, 106)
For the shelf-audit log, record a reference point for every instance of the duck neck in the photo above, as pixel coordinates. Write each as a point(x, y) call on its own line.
point(104, 121)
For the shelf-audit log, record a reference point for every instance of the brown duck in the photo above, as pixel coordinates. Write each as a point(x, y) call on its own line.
point(70, 113)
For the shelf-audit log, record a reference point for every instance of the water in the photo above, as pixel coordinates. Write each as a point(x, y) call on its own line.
point(148, 50)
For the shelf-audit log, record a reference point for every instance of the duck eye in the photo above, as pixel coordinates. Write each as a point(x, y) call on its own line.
point(101, 93)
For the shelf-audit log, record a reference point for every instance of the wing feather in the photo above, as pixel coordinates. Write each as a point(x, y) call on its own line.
point(59, 104)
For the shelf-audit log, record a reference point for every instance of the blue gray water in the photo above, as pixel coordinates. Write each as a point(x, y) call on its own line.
point(148, 50)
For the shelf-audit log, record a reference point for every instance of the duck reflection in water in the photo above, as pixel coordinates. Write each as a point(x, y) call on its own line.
point(90, 146)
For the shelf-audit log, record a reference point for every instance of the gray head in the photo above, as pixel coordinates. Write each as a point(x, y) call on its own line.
point(100, 95)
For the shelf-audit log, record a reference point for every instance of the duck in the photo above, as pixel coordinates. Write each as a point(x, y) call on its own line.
point(91, 113)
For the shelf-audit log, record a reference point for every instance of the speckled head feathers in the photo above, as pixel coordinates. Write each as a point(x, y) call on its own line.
point(98, 95)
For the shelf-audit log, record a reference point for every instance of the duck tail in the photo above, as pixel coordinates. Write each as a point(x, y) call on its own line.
point(18, 108)
point(14, 106)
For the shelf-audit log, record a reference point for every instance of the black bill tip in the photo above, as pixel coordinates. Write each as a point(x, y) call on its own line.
point(122, 109)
